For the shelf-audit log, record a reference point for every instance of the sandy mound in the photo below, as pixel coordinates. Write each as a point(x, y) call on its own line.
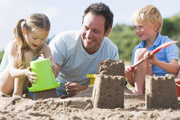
point(79, 108)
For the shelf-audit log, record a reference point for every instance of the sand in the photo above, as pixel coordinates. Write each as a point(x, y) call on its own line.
point(80, 107)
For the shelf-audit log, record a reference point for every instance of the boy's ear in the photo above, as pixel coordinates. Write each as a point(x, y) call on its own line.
point(107, 32)
point(156, 26)
point(24, 31)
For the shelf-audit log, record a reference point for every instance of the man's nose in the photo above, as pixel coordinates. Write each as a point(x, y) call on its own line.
point(89, 34)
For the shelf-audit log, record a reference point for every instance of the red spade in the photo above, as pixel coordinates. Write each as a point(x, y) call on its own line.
point(154, 52)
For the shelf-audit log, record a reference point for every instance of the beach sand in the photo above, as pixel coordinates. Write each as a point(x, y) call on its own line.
point(80, 107)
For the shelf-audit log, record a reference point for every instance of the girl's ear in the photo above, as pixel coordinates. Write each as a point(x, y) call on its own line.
point(24, 31)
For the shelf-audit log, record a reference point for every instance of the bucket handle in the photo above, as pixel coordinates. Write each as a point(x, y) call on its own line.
point(177, 84)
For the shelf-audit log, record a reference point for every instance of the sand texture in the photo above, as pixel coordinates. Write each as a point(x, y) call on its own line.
point(80, 108)
point(109, 100)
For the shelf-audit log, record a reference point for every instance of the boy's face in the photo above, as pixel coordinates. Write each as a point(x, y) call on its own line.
point(146, 31)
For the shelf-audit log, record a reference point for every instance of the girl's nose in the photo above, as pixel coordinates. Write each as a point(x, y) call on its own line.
point(38, 42)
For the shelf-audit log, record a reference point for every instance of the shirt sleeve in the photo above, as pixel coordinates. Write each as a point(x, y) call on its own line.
point(58, 49)
point(172, 52)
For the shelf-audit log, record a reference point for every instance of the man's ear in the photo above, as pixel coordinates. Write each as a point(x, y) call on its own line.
point(24, 31)
point(107, 32)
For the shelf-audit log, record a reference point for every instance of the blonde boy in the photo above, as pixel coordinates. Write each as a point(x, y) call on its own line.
point(148, 23)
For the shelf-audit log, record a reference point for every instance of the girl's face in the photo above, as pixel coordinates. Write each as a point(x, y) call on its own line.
point(36, 38)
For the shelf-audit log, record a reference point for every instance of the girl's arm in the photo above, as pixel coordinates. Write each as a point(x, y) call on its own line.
point(14, 71)
point(46, 51)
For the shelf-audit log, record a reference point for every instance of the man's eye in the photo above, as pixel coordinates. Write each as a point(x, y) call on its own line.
point(95, 31)
point(85, 28)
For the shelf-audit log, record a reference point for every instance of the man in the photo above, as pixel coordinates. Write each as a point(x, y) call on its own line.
point(77, 53)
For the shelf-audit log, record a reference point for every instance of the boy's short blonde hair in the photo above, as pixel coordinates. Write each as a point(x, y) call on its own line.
point(148, 14)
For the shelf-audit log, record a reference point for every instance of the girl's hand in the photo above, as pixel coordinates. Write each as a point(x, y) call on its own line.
point(54, 67)
point(30, 75)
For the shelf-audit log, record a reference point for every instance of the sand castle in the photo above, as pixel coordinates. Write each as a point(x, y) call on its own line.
point(108, 91)
point(109, 86)
point(161, 92)
point(51, 93)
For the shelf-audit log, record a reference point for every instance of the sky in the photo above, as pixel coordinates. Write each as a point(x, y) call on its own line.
point(66, 15)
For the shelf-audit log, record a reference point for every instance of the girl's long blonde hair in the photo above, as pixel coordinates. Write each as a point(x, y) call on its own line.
point(32, 23)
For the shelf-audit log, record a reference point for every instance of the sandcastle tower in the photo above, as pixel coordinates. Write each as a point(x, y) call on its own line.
point(108, 91)
point(161, 92)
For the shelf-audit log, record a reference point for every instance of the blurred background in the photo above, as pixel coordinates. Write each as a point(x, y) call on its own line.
point(67, 15)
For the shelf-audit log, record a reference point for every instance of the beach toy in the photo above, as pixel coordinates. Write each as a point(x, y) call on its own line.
point(166, 44)
point(92, 78)
point(178, 88)
point(45, 76)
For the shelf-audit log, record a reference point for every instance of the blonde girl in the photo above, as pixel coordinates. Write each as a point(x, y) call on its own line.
point(29, 43)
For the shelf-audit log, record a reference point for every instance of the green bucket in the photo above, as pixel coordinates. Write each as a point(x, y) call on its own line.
point(45, 76)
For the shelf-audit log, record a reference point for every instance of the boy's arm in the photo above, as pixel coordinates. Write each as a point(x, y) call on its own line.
point(171, 67)
point(129, 74)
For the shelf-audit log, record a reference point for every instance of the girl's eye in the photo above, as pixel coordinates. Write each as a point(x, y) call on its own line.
point(34, 38)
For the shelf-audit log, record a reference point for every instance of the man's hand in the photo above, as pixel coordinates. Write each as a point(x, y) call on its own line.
point(74, 88)
point(55, 67)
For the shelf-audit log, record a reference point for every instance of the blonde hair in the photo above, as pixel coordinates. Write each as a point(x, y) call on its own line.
point(149, 14)
point(33, 23)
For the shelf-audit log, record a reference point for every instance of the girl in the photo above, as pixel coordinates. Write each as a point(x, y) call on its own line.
point(29, 43)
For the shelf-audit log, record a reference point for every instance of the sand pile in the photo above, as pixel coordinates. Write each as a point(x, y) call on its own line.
point(80, 107)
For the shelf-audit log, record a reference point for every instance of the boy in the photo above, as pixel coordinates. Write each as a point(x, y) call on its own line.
point(148, 22)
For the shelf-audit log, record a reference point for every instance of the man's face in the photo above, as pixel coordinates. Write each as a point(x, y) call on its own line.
point(93, 32)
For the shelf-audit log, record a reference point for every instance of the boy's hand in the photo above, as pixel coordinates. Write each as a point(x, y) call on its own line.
point(150, 58)
point(128, 71)
point(30, 75)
